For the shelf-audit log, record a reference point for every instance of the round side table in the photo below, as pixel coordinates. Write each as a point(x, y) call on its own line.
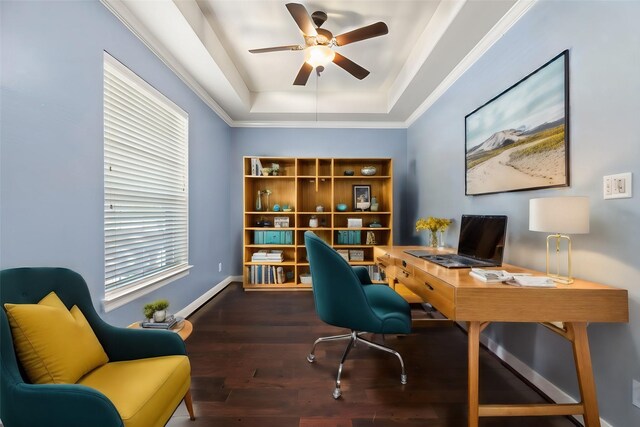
point(184, 332)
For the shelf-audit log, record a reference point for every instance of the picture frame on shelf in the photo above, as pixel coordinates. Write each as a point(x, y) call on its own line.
point(361, 197)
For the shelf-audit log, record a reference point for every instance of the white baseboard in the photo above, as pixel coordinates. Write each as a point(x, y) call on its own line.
point(201, 300)
point(546, 386)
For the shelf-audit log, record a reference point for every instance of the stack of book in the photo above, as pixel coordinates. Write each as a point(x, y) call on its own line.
point(267, 256)
point(490, 276)
point(170, 322)
point(518, 279)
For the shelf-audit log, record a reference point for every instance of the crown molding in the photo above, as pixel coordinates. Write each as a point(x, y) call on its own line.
point(319, 124)
point(500, 29)
point(133, 24)
point(437, 26)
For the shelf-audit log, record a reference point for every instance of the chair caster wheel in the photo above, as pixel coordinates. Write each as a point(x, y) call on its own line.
point(403, 379)
point(337, 393)
point(311, 358)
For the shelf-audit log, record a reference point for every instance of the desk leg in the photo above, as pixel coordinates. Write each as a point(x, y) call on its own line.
point(587, 385)
point(473, 331)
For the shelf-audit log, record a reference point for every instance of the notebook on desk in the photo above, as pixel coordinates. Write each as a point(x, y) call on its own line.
point(481, 243)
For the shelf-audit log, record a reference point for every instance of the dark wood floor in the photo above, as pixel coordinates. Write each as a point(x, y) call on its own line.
point(248, 355)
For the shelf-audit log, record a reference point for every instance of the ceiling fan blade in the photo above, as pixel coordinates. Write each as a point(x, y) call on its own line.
point(349, 66)
point(368, 32)
point(303, 75)
point(302, 18)
point(277, 48)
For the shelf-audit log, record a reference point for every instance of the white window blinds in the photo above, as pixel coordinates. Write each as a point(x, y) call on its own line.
point(146, 230)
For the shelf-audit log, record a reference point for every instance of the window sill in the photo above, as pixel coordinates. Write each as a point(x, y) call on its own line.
point(119, 297)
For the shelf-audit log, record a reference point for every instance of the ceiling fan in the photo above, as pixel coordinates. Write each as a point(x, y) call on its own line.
point(319, 43)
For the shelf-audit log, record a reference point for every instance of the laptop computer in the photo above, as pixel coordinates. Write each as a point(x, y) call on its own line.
point(481, 243)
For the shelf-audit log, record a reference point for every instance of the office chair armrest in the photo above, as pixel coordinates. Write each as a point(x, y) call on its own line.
point(363, 275)
point(71, 405)
point(131, 344)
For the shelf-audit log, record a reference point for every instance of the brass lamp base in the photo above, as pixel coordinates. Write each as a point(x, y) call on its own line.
point(557, 277)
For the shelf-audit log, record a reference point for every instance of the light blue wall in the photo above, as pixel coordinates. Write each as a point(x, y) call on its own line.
point(51, 180)
point(604, 43)
point(51, 153)
point(286, 142)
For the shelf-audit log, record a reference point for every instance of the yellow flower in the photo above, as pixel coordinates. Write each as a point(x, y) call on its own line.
point(432, 224)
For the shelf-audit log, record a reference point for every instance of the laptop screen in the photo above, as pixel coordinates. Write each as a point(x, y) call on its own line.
point(482, 236)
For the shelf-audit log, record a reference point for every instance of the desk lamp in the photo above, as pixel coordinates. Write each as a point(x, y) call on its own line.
point(560, 216)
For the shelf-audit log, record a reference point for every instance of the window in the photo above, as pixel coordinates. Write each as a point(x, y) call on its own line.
point(146, 229)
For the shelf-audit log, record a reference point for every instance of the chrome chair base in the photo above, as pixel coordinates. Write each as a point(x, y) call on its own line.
point(354, 337)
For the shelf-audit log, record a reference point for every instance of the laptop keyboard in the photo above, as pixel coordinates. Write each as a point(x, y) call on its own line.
point(453, 260)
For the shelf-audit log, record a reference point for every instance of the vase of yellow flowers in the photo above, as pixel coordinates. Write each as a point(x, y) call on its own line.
point(434, 225)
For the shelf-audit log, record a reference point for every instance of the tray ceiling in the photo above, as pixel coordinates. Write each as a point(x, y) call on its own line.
point(430, 43)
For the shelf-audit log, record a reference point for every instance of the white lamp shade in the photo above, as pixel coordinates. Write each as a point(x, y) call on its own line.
point(565, 215)
point(318, 55)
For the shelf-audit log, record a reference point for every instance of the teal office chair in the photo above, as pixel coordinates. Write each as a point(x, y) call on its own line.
point(23, 404)
point(346, 298)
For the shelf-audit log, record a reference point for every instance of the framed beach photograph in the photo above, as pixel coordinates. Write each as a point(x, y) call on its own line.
point(519, 140)
point(361, 197)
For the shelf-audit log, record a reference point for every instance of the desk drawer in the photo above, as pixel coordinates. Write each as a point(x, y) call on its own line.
point(405, 285)
point(400, 263)
point(436, 292)
point(384, 261)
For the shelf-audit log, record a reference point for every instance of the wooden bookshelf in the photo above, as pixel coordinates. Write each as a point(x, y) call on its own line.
point(303, 184)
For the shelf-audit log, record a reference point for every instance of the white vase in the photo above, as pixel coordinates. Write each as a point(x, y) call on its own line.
point(159, 316)
point(441, 239)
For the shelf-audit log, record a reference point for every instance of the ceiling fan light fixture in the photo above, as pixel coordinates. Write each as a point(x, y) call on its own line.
point(318, 55)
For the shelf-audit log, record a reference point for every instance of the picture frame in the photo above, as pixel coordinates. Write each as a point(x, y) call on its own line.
point(519, 140)
point(361, 197)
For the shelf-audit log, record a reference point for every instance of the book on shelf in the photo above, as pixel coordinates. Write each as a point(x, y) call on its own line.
point(170, 322)
point(273, 237)
point(266, 275)
point(374, 273)
point(256, 167)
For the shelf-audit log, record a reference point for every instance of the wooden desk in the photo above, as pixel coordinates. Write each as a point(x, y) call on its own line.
point(184, 332)
point(462, 298)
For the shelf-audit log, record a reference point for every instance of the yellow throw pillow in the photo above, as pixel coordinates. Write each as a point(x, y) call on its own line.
point(53, 344)
point(52, 300)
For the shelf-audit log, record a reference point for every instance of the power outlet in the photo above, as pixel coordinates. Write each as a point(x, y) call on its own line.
point(219, 267)
point(635, 393)
point(617, 186)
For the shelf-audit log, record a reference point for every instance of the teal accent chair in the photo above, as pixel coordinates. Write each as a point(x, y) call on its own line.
point(345, 297)
point(23, 404)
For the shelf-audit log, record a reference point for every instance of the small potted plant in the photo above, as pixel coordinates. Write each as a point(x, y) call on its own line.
point(156, 310)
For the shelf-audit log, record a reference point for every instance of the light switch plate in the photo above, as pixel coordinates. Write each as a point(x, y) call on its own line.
point(617, 186)
point(635, 393)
